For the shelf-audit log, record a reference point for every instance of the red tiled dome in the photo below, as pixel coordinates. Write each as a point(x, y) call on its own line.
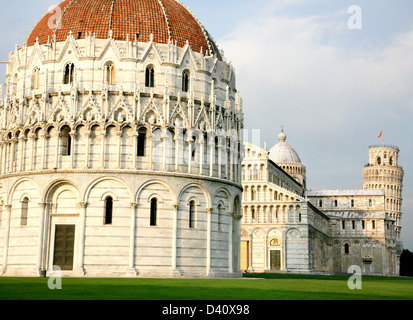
point(165, 19)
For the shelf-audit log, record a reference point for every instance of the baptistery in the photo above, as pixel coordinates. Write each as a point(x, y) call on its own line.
point(121, 139)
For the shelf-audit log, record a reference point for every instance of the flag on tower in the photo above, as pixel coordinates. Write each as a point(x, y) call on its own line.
point(381, 133)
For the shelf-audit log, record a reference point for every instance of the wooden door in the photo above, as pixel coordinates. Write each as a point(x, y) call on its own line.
point(64, 246)
point(275, 259)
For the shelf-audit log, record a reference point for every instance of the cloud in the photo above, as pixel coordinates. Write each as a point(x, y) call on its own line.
point(335, 89)
point(288, 64)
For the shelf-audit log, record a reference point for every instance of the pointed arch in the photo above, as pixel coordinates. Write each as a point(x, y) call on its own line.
point(151, 114)
point(178, 112)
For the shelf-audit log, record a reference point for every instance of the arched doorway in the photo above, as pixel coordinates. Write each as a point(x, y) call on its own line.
point(275, 254)
point(62, 228)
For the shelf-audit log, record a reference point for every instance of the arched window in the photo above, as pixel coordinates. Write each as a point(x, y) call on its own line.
point(220, 216)
point(36, 78)
point(346, 248)
point(378, 160)
point(391, 161)
point(108, 210)
point(69, 71)
point(192, 214)
point(154, 209)
point(150, 77)
point(141, 143)
point(193, 147)
point(185, 81)
point(66, 141)
point(25, 208)
point(320, 203)
point(110, 72)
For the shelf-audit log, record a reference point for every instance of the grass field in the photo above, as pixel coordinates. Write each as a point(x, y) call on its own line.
point(251, 287)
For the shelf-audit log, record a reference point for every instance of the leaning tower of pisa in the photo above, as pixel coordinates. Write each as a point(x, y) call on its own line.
point(383, 172)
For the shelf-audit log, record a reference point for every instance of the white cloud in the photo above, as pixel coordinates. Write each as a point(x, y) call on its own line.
point(286, 62)
point(333, 97)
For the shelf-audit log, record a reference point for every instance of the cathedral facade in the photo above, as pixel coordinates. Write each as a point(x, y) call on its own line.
point(120, 146)
point(287, 228)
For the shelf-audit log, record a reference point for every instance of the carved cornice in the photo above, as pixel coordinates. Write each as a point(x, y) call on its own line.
point(106, 172)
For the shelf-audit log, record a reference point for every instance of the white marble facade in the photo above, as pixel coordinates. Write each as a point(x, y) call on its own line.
point(286, 228)
point(87, 142)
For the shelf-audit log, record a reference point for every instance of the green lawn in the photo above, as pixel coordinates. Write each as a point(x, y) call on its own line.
point(251, 287)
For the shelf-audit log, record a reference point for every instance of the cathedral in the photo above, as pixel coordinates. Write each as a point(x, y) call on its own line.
point(287, 228)
point(120, 146)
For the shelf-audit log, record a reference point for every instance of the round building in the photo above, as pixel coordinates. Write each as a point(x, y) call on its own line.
point(120, 146)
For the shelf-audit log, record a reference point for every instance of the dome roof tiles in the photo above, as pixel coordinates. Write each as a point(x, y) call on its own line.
point(166, 20)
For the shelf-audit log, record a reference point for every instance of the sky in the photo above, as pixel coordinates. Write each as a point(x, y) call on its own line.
point(333, 77)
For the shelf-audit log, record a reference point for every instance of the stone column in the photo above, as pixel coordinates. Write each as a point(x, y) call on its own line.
point(250, 254)
point(226, 149)
point(73, 136)
point(174, 271)
point(189, 159)
point(12, 155)
point(163, 138)
point(201, 153)
point(41, 236)
point(219, 158)
point(211, 143)
point(237, 234)
point(6, 237)
point(119, 158)
point(131, 269)
point(135, 136)
point(22, 147)
point(209, 272)
point(176, 139)
point(56, 160)
point(87, 155)
point(79, 268)
point(150, 140)
point(230, 251)
point(103, 135)
point(6, 151)
point(231, 163)
point(32, 138)
point(45, 137)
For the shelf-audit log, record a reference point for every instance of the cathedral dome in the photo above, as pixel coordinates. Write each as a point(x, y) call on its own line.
point(163, 20)
point(282, 152)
